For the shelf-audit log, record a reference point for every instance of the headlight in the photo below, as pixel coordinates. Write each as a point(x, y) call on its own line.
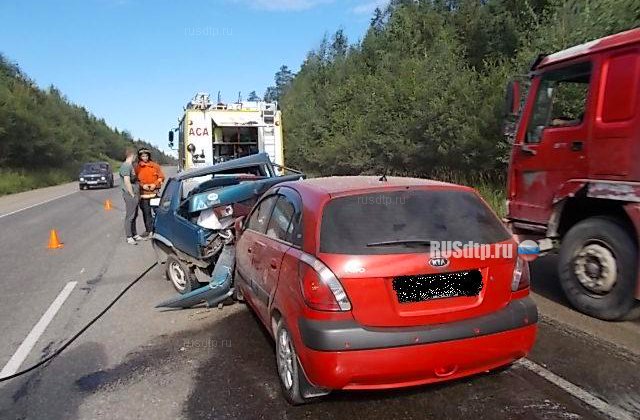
point(82, 179)
point(103, 178)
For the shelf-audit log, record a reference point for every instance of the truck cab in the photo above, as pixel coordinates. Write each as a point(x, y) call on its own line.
point(574, 177)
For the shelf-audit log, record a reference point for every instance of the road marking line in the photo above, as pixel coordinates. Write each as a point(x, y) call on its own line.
point(577, 392)
point(25, 348)
point(37, 204)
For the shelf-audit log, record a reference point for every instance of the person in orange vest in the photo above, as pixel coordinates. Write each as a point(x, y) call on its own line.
point(150, 178)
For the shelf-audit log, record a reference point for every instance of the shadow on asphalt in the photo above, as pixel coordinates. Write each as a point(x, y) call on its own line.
point(47, 393)
point(228, 365)
point(240, 381)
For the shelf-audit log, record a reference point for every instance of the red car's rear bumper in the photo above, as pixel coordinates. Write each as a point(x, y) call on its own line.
point(417, 364)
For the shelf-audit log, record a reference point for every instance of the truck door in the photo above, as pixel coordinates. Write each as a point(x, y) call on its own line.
point(550, 146)
point(612, 154)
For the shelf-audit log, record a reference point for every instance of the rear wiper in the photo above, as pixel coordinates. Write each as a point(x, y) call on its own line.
point(401, 242)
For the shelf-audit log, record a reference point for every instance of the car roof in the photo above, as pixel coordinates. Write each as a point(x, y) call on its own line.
point(608, 42)
point(248, 161)
point(343, 185)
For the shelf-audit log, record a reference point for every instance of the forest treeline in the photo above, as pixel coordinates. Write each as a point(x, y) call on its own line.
point(422, 92)
point(44, 138)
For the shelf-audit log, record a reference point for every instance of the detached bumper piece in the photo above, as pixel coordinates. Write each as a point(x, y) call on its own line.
point(218, 290)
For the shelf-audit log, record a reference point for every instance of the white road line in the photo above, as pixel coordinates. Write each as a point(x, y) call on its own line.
point(18, 357)
point(579, 393)
point(35, 205)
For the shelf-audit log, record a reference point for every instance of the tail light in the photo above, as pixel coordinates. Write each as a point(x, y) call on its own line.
point(521, 276)
point(321, 288)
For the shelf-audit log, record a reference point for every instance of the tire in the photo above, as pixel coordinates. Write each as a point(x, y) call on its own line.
point(180, 275)
point(295, 387)
point(82, 187)
point(599, 249)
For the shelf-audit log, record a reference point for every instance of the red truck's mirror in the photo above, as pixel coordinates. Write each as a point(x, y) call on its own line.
point(511, 108)
point(512, 99)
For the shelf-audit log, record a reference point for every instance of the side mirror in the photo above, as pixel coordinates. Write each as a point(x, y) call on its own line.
point(511, 109)
point(170, 138)
point(512, 99)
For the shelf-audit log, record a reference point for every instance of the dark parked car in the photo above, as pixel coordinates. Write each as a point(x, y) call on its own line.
point(96, 174)
point(344, 275)
point(194, 224)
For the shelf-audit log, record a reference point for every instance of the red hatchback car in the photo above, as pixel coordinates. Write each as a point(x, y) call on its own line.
point(343, 274)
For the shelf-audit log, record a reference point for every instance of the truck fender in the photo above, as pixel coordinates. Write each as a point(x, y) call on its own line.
point(568, 190)
point(633, 211)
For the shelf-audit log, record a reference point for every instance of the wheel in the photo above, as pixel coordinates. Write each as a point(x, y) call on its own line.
point(82, 187)
point(182, 278)
point(295, 387)
point(598, 267)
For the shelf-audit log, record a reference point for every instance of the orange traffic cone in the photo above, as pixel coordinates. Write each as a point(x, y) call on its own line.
point(54, 242)
point(107, 205)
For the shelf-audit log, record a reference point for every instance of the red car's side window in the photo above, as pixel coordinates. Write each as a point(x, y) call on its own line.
point(280, 225)
point(259, 218)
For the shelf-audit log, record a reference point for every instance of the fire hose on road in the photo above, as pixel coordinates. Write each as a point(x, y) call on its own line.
point(82, 331)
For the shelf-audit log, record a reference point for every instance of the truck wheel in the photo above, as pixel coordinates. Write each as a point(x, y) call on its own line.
point(598, 268)
point(294, 384)
point(181, 276)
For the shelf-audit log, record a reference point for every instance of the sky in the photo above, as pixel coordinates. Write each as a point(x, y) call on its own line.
point(136, 63)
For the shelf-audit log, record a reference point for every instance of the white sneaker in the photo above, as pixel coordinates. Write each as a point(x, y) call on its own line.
point(138, 238)
point(132, 241)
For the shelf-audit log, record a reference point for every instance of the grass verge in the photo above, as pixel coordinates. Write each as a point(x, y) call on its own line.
point(491, 187)
point(18, 180)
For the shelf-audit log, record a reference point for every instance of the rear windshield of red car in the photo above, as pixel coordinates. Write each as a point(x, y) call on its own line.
point(355, 224)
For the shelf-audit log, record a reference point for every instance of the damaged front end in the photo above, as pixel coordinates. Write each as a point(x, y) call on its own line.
point(197, 224)
point(220, 287)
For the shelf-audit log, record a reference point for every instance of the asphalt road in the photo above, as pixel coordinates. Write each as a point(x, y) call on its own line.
point(138, 362)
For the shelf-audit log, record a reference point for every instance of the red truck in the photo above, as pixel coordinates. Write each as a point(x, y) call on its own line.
point(574, 172)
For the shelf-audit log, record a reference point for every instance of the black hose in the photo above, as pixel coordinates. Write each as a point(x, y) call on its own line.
point(79, 333)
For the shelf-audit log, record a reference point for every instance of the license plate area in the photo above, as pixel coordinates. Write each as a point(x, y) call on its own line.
point(420, 288)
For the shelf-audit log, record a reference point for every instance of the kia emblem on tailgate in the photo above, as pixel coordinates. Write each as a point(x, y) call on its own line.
point(438, 262)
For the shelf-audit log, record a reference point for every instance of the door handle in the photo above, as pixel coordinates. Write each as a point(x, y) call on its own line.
point(274, 264)
point(576, 146)
point(528, 150)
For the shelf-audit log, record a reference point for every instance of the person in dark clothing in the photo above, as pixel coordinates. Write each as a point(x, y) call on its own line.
point(131, 196)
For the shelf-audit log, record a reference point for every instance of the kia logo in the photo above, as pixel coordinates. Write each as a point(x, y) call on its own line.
point(438, 262)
